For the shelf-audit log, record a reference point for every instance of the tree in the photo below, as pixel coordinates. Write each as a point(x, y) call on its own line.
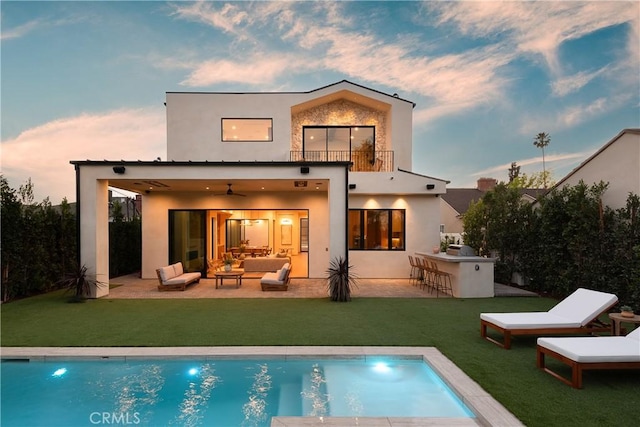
point(534, 180)
point(514, 171)
point(542, 140)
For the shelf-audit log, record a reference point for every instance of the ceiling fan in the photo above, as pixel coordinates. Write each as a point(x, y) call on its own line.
point(230, 192)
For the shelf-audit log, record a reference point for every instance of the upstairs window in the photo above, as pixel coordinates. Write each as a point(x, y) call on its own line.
point(247, 130)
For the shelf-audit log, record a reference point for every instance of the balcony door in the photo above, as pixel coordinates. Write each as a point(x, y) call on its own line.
point(339, 143)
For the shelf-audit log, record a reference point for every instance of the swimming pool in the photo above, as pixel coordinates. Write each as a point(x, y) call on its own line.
point(220, 392)
point(488, 411)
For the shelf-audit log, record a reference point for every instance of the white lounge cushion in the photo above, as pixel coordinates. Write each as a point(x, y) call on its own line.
point(177, 268)
point(576, 310)
point(183, 278)
point(167, 273)
point(271, 279)
point(596, 349)
point(282, 273)
point(583, 305)
point(532, 320)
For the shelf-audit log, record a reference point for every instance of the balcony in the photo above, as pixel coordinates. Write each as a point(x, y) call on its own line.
point(378, 161)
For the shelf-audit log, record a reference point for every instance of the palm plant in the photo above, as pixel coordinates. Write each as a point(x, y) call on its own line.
point(542, 140)
point(340, 280)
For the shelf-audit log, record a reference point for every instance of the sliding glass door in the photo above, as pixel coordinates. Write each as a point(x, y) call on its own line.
point(187, 238)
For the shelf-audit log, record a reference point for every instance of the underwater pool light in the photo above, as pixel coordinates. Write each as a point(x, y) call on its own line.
point(59, 372)
point(381, 367)
point(193, 371)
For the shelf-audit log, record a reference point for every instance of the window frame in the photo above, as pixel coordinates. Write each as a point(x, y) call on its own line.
point(358, 244)
point(222, 129)
point(327, 128)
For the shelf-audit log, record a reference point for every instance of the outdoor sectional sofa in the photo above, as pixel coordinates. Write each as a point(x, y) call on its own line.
point(264, 264)
point(173, 278)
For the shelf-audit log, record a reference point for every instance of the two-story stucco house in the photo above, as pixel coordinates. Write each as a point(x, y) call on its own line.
point(317, 174)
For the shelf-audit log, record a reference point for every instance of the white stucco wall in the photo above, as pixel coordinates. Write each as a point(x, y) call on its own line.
point(422, 218)
point(94, 225)
point(194, 122)
point(618, 164)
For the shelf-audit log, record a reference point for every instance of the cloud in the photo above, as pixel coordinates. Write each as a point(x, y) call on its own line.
point(43, 153)
point(255, 70)
point(576, 114)
point(535, 27)
point(19, 31)
point(227, 18)
point(554, 162)
point(569, 84)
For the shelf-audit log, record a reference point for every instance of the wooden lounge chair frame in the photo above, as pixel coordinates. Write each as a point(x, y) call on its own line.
point(587, 322)
point(577, 367)
point(594, 326)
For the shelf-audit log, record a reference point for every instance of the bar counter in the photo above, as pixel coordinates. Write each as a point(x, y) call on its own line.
point(471, 276)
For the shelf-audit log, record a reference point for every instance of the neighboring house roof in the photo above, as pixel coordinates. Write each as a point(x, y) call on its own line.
point(460, 198)
point(560, 183)
point(533, 193)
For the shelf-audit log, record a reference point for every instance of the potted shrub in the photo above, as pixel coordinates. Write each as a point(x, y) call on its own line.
point(80, 282)
point(340, 280)
point(626, 311)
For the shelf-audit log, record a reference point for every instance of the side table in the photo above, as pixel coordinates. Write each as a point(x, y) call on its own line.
point(617, 318)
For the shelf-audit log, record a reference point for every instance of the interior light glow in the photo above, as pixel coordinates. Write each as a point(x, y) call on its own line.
point(59, 372)
point(193, 371)
point(381, 367)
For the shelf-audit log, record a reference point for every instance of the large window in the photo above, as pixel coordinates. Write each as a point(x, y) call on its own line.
point(339, 143)
point(377, 229)
point(247, 130)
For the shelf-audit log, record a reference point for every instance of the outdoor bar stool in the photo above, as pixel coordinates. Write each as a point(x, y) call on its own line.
point(415, 272)
point(442, 280)
point(420, 271)
point(425, 273)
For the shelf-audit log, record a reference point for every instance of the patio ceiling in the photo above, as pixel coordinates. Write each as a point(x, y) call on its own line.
point(243, 186)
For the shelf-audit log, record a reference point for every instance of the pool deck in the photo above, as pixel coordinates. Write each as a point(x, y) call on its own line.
point(489, 412)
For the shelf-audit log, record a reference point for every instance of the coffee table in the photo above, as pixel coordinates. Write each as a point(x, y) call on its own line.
point(229, 274)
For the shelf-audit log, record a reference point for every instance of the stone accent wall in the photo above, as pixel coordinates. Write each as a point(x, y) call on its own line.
point(339, 113)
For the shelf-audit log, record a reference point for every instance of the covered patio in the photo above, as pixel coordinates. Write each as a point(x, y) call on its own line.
point(133, 287)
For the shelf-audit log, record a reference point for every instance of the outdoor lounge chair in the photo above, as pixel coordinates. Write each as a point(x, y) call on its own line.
point(278, 281)
point(576, 314)
point(587, 353)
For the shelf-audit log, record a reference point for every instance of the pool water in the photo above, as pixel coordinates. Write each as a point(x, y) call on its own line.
point(218, 392)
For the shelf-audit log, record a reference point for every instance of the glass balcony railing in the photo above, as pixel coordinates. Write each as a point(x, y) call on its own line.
point(378, 161)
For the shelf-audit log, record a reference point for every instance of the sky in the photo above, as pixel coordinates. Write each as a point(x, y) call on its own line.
point(87, 80)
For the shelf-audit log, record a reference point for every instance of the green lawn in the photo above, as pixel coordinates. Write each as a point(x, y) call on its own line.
point(451, 325)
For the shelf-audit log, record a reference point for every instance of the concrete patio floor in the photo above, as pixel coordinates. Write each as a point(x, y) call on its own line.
point(132, 286)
